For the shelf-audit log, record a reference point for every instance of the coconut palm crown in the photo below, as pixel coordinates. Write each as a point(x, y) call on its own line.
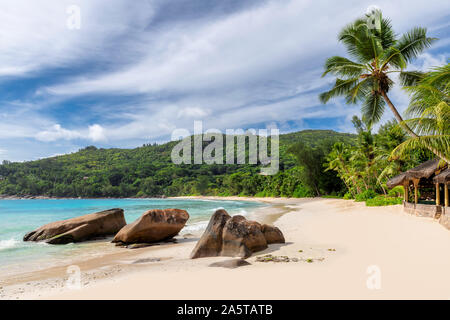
point(376, 54)
point(429, 113)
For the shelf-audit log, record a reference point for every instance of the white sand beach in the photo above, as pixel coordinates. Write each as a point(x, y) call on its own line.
point(340, 246)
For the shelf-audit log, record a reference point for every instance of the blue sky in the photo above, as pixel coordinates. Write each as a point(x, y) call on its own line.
point(137, 70)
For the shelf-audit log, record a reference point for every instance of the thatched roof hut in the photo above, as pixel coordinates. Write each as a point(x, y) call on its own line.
point(443, 177)
point(424, 170)
point(398, 180)
point(428, 175)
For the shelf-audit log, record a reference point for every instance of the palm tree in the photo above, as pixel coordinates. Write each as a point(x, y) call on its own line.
point(378, 53)
point(338, 160)
point(430, 112)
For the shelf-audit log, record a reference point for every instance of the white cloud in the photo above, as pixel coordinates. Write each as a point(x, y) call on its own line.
point(193, 112)
point(261, 65)
point(56, 132)
point(97, 133)
point(35, 36)
point(242, 49)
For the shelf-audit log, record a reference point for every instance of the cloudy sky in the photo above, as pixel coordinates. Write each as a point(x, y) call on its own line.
point(136, 70)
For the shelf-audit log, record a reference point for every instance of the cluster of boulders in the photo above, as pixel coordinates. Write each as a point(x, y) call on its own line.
point(234, 237)
point(225, 235)
point(152, 226)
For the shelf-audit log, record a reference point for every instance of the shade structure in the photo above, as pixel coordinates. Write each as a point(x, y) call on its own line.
point(424, 170)
point(443, 177)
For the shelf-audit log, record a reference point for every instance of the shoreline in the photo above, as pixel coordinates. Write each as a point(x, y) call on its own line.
point(116, 261)
point(335, 244)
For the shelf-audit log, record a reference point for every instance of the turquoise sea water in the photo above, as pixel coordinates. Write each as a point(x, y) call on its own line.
point(18, 217)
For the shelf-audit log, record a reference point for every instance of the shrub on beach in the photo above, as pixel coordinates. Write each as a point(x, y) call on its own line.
point(396, 191)
point(383, 201)
point(348, 196)
point(363, 196)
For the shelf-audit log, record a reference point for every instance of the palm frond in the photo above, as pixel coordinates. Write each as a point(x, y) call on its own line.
point(440, 143)
point(387, 34)
point(343, 67)
point(359, 91)
point(340, 88)
point(410, 78)
point(407, 48)
point(373, 107)
point(361, 42)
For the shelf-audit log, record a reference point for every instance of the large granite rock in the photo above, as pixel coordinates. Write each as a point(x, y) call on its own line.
point(272, 234)
point(235, 237)
point(153, 226)
point(210, 244)
point(79, 229)
point(242, 237)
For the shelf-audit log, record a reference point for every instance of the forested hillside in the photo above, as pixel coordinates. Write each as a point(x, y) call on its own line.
point(148, 171)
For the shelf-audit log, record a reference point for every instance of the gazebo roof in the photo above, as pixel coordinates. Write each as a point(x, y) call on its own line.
point(424, 170)
point(397, 180)
point(443, 177)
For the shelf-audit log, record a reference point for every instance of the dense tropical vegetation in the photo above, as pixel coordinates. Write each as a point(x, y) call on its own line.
point(378, 54)
point(148, 172)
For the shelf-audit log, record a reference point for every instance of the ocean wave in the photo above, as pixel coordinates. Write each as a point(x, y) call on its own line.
point(195, 227)
point(8, 244)
point(243, 212)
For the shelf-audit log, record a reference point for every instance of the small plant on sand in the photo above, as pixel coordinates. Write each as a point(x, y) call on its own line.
point(383, 201)
point(363, 196)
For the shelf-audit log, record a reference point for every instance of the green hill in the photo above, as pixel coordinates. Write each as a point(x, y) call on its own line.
point(149, 171)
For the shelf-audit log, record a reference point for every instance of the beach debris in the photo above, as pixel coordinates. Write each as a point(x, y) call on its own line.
point(332, 250)
point(231, 264)
point(147, 260)
point(272, 258)
point(234, 237)
point(153, 226)
point(87, 227)
point(139, 245)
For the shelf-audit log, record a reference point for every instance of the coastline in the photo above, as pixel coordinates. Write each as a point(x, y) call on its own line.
point(337, 244)
point(114, 261)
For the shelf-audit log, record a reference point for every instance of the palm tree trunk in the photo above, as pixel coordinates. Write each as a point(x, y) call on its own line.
point(408, 129)
point(358, 189)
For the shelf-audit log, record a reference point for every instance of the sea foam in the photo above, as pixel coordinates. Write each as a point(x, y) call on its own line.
point(8, 244)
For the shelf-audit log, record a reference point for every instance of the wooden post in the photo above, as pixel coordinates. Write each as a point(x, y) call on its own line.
point(446, 194)
point(406, 190)
point(416, 191)
point(438, 195)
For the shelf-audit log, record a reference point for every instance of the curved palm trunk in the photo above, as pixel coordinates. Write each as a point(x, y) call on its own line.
point(408, 129)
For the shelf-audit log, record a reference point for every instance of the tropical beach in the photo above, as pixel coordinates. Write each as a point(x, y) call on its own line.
point(335, 241)
point(224, 150)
